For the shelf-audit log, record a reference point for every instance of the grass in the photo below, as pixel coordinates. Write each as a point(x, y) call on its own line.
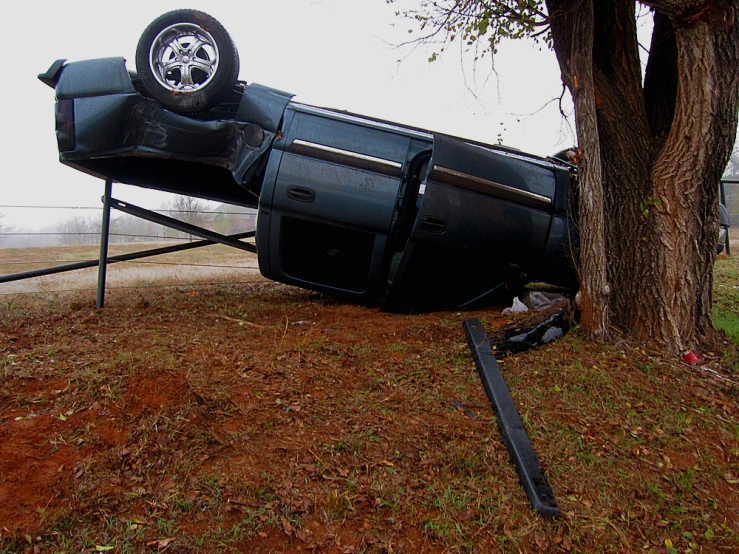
point(726, 296)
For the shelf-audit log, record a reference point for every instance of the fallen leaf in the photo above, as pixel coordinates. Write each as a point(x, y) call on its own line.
point(160, 543)
point(303, 535)
point(286, 525)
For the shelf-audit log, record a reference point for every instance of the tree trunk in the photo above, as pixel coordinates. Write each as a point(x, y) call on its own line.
point(675, 307)
point(663, 144)
point(572, 33)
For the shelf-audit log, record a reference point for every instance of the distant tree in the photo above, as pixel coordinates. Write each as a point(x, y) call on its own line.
point(188, 209)
point(221, 224)
point(80, 230)
point(732, 169)
point(130, 228)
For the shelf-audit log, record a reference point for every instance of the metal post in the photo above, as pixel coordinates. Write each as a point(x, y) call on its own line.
point(104, 234)
point(723, 201)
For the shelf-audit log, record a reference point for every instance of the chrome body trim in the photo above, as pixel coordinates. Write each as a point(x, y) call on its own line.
point(346, 157)
point(448, 176)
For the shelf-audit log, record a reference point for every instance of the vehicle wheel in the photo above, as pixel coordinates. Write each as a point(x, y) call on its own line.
point(187, 61)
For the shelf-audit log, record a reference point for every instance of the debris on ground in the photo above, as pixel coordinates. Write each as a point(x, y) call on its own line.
point(517, 307)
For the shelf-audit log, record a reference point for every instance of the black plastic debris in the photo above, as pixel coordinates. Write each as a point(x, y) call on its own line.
point(516, 340)
point(517, 442)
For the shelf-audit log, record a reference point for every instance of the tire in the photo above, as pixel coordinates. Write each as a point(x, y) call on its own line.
point(187, 61)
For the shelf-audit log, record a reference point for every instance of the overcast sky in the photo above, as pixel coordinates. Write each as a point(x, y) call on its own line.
point(335, 53)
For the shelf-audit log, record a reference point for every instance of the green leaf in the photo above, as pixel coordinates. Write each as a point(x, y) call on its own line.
point(709, 534)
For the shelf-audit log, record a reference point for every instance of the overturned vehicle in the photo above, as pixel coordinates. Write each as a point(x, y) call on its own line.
point(350, 205)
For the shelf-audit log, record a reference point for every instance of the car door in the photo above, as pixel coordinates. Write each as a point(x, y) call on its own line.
point(484, 214)
point(329, 211)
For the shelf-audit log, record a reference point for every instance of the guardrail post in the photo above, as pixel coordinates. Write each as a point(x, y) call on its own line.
point(104, 234)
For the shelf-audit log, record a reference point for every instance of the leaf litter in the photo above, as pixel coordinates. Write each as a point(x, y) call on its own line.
point(185, 430)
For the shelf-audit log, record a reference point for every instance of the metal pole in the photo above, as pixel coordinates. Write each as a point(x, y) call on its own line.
point(104, 234)
point(723, 201)
point(131, 209)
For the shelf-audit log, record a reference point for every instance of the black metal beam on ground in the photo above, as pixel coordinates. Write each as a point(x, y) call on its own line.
point(104, 236)
point(180, 225)
point(119, 258)
point(517, 442)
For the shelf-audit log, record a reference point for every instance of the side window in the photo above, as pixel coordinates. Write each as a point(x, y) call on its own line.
point(324, 254)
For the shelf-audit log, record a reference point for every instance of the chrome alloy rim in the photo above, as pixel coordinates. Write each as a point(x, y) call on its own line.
point(184, 57)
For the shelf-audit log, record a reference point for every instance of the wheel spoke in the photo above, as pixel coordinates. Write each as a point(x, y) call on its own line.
point(203, 65)
point(196, 45)
point(184, 58)
point(166, 68)
point(178, 44)
point(186, 79)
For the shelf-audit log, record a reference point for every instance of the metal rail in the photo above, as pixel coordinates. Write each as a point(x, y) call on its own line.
point(149, 215)
point(118, 258)
point(104, 236)
point(210, 237)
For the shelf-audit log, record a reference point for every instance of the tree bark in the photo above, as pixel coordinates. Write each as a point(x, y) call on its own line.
point(676, 312)
point(627, 146)
point(663, 145)
point(572, 33)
